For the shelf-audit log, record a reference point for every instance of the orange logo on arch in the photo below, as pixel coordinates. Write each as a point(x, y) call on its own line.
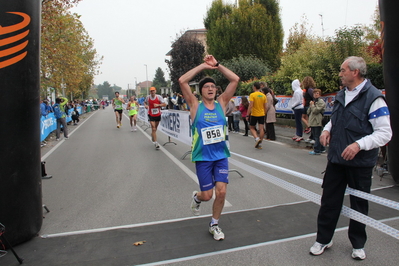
point(13, 40)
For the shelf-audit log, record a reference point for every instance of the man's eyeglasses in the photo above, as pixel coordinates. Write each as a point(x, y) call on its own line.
point(209, 86)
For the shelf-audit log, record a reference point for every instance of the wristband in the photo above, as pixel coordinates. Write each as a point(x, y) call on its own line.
point(217, 64)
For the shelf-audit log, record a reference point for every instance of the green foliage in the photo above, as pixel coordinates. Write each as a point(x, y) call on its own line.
point(67, 54)
point(187, 53)
point(375, 74)
point(105, 89)
point(321, 60)
point(252, 29)
point(299, 33)
point(159, 79)
point(246, 67)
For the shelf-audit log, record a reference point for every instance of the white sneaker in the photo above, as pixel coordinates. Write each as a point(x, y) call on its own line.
point(134, 128)
point(131, 129)
point(156, 145)
point(318, 249)
point(312, 141)
point(216, 231)
point(358, 254)
point(195, 206)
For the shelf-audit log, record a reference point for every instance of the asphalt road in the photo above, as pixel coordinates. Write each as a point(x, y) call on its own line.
point(107, 177)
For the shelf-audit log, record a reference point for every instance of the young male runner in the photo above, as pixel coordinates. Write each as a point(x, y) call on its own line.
point(118, 109)
point(209, 149)
point(153, 103)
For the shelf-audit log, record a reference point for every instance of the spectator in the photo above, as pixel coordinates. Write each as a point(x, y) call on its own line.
point(270, 115)
point(309, 85)
point(359, 125)
point(243, 109)
point(296, 104)
point(75, 116)
point(229, 114)
point(43, 108)
point(236, 119)
point(59, 113)
point(316, 112)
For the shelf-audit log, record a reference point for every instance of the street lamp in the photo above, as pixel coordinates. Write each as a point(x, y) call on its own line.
point(146, 76)
point(135, 86)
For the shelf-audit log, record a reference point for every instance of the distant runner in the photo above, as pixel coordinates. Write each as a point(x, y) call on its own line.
point(153, 103)
point(133, 106)
point(118, 109)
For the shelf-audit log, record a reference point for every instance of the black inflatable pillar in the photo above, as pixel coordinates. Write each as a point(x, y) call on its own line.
point(20, 174)
point(390, 50)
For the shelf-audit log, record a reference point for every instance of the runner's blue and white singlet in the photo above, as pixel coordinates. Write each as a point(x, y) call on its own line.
point(208, 134)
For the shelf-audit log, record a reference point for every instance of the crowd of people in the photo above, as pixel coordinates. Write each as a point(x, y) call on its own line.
point(62, 108)
point(359, 125)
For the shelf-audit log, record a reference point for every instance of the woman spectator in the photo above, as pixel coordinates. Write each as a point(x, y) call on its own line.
point(270, 114)
point(243, 109)
point(308, 84)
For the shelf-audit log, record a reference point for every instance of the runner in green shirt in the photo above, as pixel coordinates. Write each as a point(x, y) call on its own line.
point(133, 106)
point(118, 108)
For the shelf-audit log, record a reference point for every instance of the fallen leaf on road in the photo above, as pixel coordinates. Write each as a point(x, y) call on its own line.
point(138, 243)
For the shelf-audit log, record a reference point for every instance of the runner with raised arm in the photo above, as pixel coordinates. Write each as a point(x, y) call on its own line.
point(209, 150)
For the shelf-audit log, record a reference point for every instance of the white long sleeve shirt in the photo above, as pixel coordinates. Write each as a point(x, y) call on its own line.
point(378, 118)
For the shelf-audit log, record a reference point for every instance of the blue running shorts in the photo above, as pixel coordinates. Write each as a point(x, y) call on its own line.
point(209, 173)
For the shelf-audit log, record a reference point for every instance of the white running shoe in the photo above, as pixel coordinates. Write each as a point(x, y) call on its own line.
point(156, 145)
point(318, 249)
point(134, 128)
point(131, 129)
point(195, 206)
point(358, 254)
point(216, 231)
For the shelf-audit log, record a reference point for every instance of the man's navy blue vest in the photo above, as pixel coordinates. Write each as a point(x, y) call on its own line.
point(350, 123)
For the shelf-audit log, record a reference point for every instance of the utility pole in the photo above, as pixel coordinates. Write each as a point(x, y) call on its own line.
point(146, 76)
point(322, 26)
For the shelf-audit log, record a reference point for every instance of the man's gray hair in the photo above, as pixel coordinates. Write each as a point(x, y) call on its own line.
point(356, 62)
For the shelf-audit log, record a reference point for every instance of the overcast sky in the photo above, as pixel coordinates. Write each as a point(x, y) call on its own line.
point(133, 33)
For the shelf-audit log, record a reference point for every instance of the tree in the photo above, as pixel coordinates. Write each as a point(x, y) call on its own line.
point(246, 67)
point(254, 28)
point(68, 59)
point(159, 79)
point(187, 53)
point(105, 89)
point(299, 33)
point(321, 60)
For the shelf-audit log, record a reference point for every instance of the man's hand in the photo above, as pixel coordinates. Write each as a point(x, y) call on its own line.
point(325, 138)
point(350, 151)
point(211, 61)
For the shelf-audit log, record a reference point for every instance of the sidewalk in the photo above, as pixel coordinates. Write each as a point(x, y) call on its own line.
point(284, 134)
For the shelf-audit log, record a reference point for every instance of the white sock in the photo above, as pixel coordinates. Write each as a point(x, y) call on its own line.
point(214, 221)
point(196, 199)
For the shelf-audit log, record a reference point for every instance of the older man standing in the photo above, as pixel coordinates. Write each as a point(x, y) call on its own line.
point(359, 125)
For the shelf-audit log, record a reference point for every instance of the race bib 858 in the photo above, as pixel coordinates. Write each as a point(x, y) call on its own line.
point(211, 135)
